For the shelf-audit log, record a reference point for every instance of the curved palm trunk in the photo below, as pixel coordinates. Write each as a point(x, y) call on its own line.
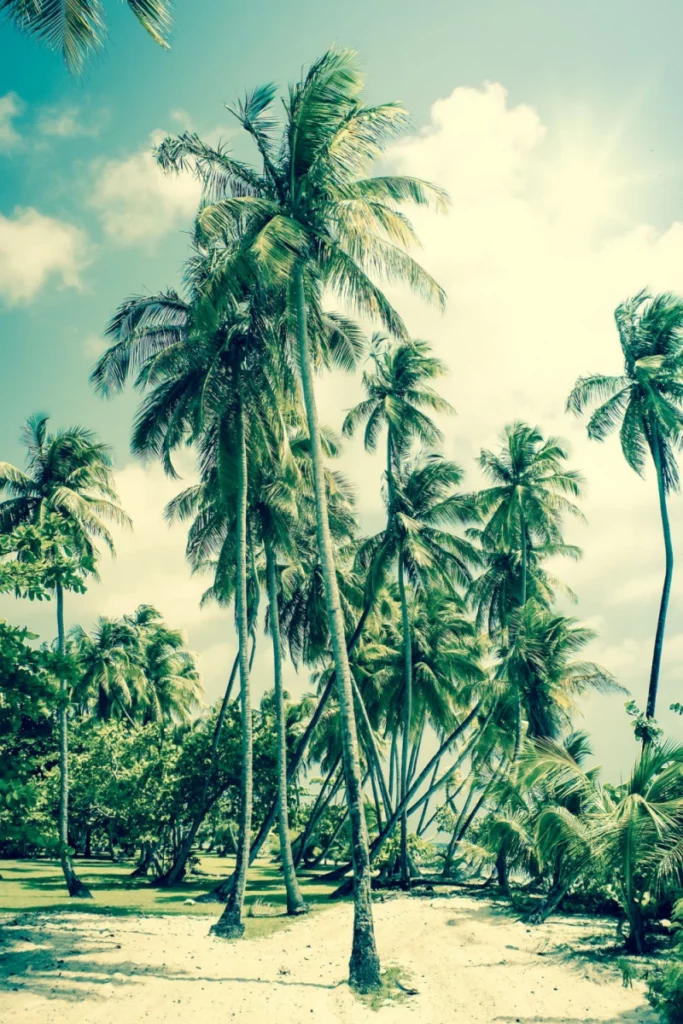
point(364, 966)
point(230, 924)
point(666, 590)
point(176, 872)
point(407, 715)
point(322, 802)
point(295, 901)
point(73, 882)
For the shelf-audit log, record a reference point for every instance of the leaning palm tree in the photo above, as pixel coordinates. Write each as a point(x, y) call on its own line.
point(647, 400)
point(68, 474)
point(310, 218)
point(76, 29)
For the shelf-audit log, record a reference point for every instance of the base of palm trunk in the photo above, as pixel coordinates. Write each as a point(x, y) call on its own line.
point(220, 894)
point(78, 890)
point(297, 909)
point(228, 927)
point(364, 968)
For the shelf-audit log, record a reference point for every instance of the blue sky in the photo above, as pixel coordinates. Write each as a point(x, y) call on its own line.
point(567, 178)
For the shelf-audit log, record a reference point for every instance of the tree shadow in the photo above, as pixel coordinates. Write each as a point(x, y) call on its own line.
point(60, 965)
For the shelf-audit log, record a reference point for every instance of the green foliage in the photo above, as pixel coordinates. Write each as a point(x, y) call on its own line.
point(665, 984)
point(645, 729)
point(77, 29)
point(28, 696)
point(38, 556)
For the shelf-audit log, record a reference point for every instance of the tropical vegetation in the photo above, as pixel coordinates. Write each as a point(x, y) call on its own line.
point(435, 740)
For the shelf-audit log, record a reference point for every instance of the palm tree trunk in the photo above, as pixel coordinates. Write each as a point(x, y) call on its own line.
point(407, 715)
point(666, 590)
point(230, 924)
point(524, 566)
point(380, 840)
point(364, 965)
point(177, 870)
point(295, 901)
point(322, 801)
point(73, 882)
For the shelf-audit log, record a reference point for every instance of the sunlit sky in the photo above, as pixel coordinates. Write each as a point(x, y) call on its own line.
point(557, 131)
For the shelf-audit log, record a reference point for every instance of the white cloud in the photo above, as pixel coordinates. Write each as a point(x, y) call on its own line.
point(138, 203)
point(65, 123)
point(10, 108)
point(33, 248)
point(531, 293)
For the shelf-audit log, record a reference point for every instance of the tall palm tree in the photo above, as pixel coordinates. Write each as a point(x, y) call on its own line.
point(646, 401)
point(68, 474)
point(77, 29)
point(529, 498)
point(424, 507)
point(208, 369)
point(309, 218)
point(398, 390)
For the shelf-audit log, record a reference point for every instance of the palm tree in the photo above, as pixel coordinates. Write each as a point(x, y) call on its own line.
point(631, 832)
point(172, 685)
point(425, 506)
point(68, 474)
point(310, 218)
point(398, 390)
point(528, 499)
point(646, 401)
point(111, 670)
point(77, 29)
point(538, 667)
point(494, 594)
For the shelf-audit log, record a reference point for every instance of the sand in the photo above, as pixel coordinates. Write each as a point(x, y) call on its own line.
point(469, 961)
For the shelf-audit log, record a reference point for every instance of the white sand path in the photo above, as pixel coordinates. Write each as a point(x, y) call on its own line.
point(470, 962)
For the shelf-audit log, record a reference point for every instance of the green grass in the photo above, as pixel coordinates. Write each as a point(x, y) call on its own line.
point(38, 885)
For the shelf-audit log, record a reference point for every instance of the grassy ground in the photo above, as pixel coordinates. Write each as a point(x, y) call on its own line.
point(38, 885)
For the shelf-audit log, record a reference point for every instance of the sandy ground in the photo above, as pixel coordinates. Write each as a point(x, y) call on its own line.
point(468, 961)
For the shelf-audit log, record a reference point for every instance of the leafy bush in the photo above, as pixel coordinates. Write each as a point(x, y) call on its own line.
point(665, 987)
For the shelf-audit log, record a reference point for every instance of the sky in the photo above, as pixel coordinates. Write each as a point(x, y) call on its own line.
point(556, 130)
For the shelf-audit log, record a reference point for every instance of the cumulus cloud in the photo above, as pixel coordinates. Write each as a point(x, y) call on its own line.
point(138, 203)
point(531, 293)
point(34, 248)
point(10, 108)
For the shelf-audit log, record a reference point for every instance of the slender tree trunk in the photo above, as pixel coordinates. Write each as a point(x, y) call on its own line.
point(381, 839)
point(417, 745)
point(371, 747)
point(407, 716)
point(364, 965)
point(221, 892)
point(177, 870)
point(522, 595)
point(230, 924)
point(295, 901)
point(425, 806)
point(666, 590)
point(73, 882)
point(321, 803)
